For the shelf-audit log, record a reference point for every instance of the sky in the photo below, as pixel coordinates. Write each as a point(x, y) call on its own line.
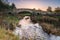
point(37, 4)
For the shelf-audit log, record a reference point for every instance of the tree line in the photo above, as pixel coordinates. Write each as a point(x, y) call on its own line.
point(6, 6)
point(56, 10)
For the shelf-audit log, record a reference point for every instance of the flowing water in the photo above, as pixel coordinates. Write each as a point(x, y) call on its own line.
point(28, 30)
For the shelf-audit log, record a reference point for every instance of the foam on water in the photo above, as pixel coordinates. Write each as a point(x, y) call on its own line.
point(34, 31)
point(54, 37)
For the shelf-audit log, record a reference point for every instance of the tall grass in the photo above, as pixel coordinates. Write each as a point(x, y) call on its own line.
point(7, 35)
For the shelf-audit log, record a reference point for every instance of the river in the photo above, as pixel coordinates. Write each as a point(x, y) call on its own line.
point(28, 30)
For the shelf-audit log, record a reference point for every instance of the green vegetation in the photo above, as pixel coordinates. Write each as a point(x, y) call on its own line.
point(11, 19)
point(6, 6)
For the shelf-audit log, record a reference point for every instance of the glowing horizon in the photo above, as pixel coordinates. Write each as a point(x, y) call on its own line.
point(37, 4)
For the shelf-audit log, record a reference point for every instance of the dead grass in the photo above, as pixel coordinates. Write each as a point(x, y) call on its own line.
point(7, 35)
point(50, 29)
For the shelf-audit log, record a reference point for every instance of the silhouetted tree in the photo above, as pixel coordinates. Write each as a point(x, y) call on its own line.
point(49, 9)
point(4, 6)
point(13, 6)
point(57, 10)
point(1, 4)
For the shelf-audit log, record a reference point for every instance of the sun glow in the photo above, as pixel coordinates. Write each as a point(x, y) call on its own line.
point(31, 6)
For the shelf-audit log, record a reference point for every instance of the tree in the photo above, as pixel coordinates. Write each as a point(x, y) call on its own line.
point(13, 6)
point(1, 4)
point(57, 10)
point(49, 9)
point(4, 6)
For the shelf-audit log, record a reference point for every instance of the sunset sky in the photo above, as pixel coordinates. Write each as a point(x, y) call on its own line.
point(37, 4)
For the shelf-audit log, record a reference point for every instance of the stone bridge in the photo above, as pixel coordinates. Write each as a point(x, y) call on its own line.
point(25, 10)
point(16, 11)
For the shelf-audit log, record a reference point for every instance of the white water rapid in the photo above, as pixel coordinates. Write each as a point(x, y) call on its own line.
point(32, 31)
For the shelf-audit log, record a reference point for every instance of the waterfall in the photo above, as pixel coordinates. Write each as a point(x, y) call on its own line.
point(28, 30)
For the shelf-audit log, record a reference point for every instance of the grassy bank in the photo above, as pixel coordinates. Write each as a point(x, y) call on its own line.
point(7, 35)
